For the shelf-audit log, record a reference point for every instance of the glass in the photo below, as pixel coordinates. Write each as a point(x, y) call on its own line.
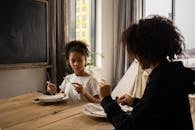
point(160, 7)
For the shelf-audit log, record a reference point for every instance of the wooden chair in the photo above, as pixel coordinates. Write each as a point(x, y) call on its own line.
point(191, 98)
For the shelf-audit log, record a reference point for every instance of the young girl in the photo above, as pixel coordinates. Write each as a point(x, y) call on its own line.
point(79, 86)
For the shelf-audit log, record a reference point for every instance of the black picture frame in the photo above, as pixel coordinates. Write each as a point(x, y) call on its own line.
point(24, 33)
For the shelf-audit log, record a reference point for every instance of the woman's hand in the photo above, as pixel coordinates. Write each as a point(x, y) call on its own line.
point(125, 100)
point(51, 88)
point(104, 89)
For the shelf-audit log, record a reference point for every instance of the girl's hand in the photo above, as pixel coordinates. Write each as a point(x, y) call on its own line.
point(104, 89)
point(125, 100)
point(51, 88)
point(79, 88)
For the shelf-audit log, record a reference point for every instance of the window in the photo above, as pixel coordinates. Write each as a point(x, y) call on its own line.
point(160, 7)
point(185, 20)
point(84, 17)
point(82, 22)
point(84, 34)
point(84, 25)
point(84, 8)
point(181, 12)
point(85, 1)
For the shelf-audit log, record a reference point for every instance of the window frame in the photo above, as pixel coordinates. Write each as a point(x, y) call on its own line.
point(72, 26)
point(190, 52)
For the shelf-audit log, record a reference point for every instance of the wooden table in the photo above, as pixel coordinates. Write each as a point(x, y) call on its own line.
point(20, 113)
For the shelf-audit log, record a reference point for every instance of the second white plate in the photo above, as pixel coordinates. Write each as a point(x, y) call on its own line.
point(51, 98)
point(96, 110)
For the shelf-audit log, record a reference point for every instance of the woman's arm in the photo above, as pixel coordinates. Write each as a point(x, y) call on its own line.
point(126, 100)
point(120, 119)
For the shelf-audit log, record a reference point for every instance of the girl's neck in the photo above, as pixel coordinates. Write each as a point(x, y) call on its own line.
point(83, 73)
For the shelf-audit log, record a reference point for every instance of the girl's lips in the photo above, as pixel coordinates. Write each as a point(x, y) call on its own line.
point(76, 68)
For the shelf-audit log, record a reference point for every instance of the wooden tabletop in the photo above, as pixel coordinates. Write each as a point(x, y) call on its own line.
point(20, 113)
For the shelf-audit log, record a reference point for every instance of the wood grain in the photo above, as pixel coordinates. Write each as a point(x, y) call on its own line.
point(20, 113)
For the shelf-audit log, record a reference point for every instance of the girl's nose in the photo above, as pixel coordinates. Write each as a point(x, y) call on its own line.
point(76, 63)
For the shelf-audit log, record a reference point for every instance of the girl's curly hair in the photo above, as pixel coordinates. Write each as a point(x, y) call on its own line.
point(76, 46)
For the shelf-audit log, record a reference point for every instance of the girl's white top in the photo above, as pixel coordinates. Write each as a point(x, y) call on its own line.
point(88, 82)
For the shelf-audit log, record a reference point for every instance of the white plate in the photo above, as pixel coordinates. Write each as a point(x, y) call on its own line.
point(93, 115)
point(51, 98)
point(96, 110)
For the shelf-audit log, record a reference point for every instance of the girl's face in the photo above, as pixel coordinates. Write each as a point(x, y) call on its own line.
point(77, 62)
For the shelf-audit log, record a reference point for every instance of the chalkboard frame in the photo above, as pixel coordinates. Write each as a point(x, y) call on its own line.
point(44, 64)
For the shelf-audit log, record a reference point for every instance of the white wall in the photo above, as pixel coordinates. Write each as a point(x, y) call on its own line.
point(18, 81)
point(105, 13)
point(99, 32)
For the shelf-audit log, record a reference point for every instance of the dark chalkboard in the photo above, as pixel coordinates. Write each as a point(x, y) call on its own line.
point(23, 31)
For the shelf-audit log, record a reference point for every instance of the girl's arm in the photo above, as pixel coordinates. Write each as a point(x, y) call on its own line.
point(91, 98)
point(80, 89)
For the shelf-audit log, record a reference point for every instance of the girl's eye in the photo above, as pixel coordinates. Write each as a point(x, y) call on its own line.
point(73, 61)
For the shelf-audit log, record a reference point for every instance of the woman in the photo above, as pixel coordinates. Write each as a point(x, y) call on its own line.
point(155, 42)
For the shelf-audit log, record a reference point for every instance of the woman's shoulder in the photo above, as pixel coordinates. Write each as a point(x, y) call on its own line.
point(169, 70)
